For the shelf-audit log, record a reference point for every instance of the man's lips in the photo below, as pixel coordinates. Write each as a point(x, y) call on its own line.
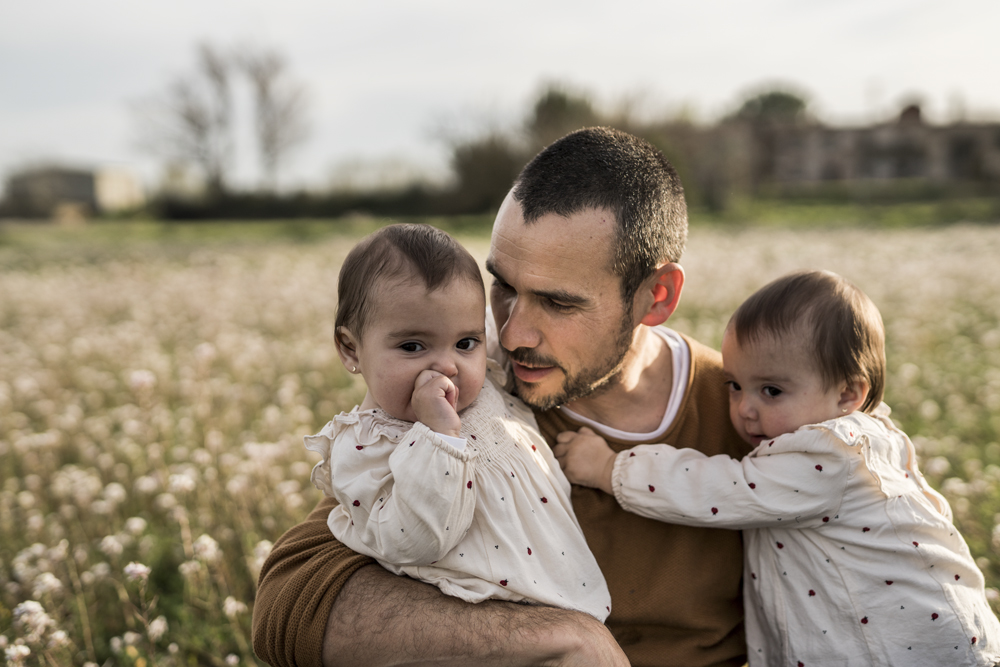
point(530, 373)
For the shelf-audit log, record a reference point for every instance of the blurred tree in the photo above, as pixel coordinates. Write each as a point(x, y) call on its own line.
point(280, 109)
point(557, 112)
point(773, 106)
point(191, 122)
point(485, 169)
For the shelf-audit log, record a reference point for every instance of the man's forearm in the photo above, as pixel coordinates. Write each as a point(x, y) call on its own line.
point(381, 619)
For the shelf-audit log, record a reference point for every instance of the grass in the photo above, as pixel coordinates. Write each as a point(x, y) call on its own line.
point(156, 381)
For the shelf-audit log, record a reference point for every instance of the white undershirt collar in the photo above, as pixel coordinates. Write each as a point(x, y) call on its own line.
point(681, 357)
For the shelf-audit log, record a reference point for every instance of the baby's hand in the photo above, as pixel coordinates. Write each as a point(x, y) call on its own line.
point(585, 458)
point(434, 401)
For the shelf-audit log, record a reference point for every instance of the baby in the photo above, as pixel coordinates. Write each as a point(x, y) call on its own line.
point(850, 557)
point(440, 474)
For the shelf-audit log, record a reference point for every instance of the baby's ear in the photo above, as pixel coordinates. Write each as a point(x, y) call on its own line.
point(853, 395)
point(347, 349)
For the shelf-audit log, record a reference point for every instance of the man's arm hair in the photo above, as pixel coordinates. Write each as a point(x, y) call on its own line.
point(381, 619)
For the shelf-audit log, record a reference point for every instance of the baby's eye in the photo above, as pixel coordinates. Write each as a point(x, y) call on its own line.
point(410, 346)
point(733, 386)
point(771, 392)
point(467, 344)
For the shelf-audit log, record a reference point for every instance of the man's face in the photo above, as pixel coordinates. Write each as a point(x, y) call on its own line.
point(557, 306)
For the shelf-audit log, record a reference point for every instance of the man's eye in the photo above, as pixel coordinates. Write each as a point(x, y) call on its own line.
point(467, 344)
point(558, 307)
point(771, 392)
point(500, 285)
point(411, 347)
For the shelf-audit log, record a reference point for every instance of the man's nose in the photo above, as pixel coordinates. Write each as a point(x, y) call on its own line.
point(520, 329)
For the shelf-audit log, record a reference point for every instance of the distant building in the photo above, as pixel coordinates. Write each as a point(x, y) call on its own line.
point(906, 148)
point(67, 193)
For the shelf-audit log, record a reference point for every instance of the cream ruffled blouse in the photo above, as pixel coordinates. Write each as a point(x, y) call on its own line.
point(492, 521)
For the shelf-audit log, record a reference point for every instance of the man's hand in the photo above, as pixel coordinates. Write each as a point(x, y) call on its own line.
point(585, 458)
point(381, 619)
point(434, 401)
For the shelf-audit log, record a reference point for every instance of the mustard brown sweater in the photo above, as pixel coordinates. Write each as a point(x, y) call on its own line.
point(675, 590)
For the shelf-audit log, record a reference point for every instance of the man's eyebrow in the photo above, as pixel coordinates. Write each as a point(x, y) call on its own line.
point(561, 296)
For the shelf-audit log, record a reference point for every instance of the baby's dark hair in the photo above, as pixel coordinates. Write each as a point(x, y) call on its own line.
point(847, 330)
point(401, 251)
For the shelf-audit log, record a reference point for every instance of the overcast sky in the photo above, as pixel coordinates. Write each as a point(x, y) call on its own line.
point(386, 77)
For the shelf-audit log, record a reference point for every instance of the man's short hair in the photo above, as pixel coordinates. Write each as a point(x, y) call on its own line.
point(847, 332)
point(402, 251)
point(600, 167)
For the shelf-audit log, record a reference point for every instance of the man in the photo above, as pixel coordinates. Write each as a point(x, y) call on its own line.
point(584, 259)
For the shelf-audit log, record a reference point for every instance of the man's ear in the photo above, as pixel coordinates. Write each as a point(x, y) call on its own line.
point(660, 294)
point(853, 395)
point(347, 349)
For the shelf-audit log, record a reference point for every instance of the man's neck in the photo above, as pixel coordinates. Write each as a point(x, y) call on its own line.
point(636, 399)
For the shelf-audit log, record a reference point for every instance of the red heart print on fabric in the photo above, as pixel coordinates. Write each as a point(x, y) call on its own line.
point(780, 545)
point(865, 529)
point(469, 484)
point(544, 499)
point(826, 519)
point(715, 510)
point(864, 621)
point(652, 488)
point(888, 582)
point(819, 467)
point(812, 593)
point(503, 582)
point(957, 577)
point(529, 551)
point(534, 449)
point(359, 447)
point(752, 485)
point(631, 454)
point(934, 616)
point(357, 503)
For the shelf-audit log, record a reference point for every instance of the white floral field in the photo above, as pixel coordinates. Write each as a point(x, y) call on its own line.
point(154, 394)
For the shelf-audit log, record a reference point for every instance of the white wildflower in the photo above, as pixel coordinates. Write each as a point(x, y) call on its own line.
point(100, 570)
point(116, 644)
point(132, 638)
point(141, 381)
point(181, 483)
point(166, 501)
point(115, 493)
point(937, 466)
point(31, 616)
point(135, 525)
point(157, 628)
point(46, 583)
point(232, 660)
point(16, 654)
point(233, 607)
point(189, 568)
point(146, 484)
point(59, 639)
point(173, 648)
point(111, 545)
point(137, 571)
point(206, 549)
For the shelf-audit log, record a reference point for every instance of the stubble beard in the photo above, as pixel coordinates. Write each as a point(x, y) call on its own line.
point(588, 382)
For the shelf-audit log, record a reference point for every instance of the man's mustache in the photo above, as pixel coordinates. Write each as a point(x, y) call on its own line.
point(529, 357)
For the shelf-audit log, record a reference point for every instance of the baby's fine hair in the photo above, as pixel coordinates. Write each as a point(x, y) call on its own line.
point(847, 331)
point(398, 252)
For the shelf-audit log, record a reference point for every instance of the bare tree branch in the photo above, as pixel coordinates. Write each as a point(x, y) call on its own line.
point(280, 109)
